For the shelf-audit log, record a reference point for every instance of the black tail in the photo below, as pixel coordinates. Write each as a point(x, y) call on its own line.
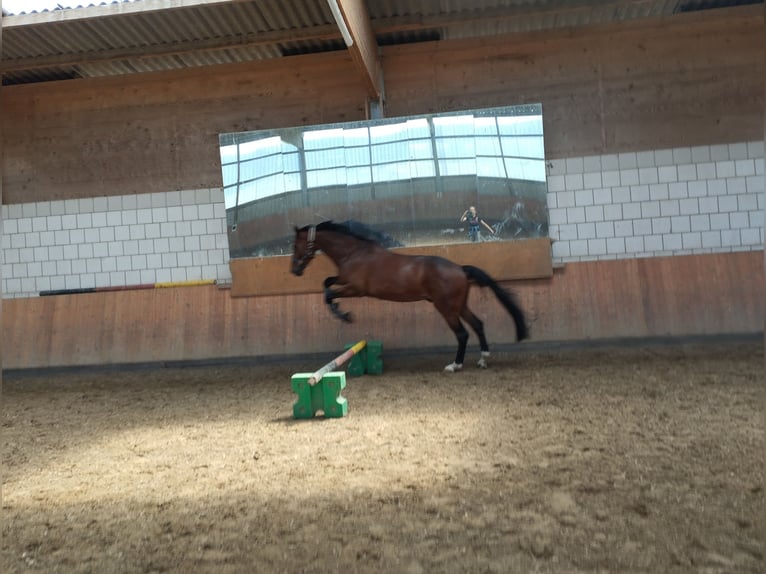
point(505, 297)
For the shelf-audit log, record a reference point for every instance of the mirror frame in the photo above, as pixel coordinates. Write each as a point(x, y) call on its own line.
point(263, 273)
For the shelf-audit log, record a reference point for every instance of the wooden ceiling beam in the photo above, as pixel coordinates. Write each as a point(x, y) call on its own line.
point(353, 20)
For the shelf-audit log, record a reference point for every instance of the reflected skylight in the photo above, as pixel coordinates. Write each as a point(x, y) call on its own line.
point(481, 144)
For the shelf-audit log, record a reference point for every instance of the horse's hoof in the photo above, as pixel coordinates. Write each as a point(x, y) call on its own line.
point(483, 361)
point(452, 367)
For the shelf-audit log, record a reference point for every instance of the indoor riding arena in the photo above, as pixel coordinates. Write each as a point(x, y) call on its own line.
point(184, 383)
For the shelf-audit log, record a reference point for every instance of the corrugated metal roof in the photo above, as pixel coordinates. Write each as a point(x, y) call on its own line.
point(151, 35)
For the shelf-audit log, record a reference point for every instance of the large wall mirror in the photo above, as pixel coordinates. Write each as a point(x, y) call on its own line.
point(411, 179)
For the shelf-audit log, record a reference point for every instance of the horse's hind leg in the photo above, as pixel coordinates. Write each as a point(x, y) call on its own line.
point(329, 298)
point(478, 326)
point(462, 340)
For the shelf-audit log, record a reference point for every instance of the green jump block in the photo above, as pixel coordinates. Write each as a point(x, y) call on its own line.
point(374, 358)
point(367, 361)
point(324, 396)
point(356, 366)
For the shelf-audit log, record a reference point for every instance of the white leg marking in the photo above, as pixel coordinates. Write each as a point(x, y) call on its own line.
point(452, 367)
point(483, 361)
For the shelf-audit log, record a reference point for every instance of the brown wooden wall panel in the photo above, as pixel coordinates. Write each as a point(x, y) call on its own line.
point(680, 81)
point(646, 84)
point(682, 295)
point(505, 261)
point(159, 131)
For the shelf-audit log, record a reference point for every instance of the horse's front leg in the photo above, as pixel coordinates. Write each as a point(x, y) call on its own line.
point(329, 298)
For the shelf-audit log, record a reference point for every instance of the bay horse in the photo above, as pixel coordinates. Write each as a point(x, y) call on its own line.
point(368, 269)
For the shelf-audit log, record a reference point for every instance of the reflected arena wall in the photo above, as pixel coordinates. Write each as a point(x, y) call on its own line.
point(414, 212)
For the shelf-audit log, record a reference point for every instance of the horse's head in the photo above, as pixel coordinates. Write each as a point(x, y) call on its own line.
point(304, 249)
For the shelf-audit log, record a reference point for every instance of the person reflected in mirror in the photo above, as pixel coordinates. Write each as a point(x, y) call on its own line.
point(471, 216)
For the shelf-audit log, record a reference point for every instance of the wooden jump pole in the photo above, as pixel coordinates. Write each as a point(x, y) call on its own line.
point(338, 361)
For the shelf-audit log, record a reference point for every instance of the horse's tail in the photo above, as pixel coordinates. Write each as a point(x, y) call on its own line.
point(505, 297)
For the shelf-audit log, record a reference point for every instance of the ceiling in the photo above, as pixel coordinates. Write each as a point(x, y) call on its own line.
point(114, 38)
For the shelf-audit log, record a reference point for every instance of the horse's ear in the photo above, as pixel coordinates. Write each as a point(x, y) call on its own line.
point(296, 228)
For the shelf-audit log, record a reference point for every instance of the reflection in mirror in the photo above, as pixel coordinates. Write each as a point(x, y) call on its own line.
point(413, 179)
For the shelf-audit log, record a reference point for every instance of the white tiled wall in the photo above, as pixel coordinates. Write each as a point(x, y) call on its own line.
point(114, 241)
point(658, 202)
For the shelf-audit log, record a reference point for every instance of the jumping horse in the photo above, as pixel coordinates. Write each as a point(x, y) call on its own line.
point(368, 269)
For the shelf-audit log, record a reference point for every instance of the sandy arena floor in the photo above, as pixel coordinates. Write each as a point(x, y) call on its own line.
point(571, 460)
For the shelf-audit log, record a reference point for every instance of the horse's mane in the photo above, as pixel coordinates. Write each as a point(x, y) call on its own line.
point(343, 229)
point(357, 230)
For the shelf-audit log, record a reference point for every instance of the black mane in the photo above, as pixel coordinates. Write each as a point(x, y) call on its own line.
point(359, 231)
point(343, 229)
